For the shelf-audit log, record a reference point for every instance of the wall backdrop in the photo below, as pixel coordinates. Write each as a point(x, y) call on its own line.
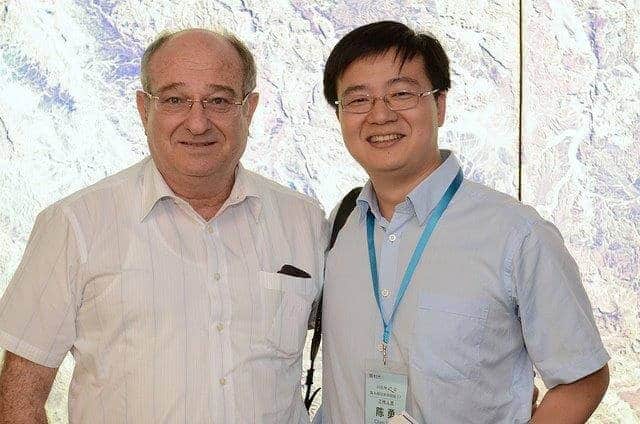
point(69, 71)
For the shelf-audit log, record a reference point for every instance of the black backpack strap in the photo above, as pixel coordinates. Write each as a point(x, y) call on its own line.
point(344, 210)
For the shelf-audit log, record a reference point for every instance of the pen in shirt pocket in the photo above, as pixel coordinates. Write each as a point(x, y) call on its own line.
point(293, 271)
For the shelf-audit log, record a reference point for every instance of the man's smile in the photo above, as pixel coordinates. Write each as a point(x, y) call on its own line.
point(383, 140)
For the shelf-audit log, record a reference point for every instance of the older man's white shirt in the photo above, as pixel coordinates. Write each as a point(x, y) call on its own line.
point(170, 318)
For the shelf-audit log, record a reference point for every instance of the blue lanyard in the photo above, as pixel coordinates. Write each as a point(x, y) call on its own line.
point(415, 258)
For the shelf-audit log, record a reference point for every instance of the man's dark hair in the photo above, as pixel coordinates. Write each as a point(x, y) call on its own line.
point(377, 39)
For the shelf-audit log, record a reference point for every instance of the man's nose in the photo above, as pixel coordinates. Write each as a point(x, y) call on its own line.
point(197, 120)
point(380, 112)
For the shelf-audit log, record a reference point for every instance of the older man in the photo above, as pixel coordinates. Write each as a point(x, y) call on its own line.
point(441, 295)
point(181, 285)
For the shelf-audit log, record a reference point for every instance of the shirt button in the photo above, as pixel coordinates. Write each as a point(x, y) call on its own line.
point(216, 276)
point(220, 327)
point(385, 292)
point(209, 229)
point(222, 381)
point(392, 238)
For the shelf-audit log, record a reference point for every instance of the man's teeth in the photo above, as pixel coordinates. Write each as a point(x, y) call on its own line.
point(388, 137)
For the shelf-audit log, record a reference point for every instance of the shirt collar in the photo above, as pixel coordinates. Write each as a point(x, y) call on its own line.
point(155, 189)
point(423, 198)
point(246, 187)
point(366, 201)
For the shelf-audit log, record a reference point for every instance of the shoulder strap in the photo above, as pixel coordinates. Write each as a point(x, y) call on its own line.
point(344, 210)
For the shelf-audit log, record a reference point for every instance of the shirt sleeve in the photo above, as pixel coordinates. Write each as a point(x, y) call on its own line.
point(38, 308)
point(559, 330)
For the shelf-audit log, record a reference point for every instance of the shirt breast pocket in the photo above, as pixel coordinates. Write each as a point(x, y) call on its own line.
point(287, 307)
point(448, 333)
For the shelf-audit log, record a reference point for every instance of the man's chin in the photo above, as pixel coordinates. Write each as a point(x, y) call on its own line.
point(200, 173)
point(387, 168)
point(206, 169)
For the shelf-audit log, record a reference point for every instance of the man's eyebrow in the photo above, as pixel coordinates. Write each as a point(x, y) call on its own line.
point(403, 79)
point(225, 88)
point(353, 88)
point(212, 87)
point(170, 86)
point(391, 82)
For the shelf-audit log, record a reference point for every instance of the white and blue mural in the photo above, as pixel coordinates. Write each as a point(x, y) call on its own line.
point(69, 71)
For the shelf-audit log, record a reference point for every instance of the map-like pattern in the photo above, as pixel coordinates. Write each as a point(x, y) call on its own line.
point(69, 71)
point(582, 165)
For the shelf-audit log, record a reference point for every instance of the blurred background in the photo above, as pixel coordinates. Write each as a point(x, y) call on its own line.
point(544, 106)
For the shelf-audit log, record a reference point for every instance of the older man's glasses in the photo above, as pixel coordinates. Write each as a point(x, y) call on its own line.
point(177, 105)
point(395, 100)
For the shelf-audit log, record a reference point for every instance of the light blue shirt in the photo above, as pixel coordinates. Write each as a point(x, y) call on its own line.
point(495, 294)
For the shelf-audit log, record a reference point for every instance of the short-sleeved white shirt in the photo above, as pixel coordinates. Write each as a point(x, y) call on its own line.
point(495, 293)
point(170, 318)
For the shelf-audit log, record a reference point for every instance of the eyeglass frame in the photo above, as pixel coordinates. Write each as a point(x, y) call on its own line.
point(386, 101)
point(202, 102)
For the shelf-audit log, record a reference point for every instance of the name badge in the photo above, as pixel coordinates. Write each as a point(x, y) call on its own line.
point(385, 392)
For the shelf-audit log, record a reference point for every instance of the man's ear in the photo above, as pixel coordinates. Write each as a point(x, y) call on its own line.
point(252, 105)
point(441, 105)
point(141, 103)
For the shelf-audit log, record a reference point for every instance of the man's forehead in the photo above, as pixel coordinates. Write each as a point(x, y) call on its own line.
point(182, 87)
point(387, 68)
point(205, 57)
point(195, 62)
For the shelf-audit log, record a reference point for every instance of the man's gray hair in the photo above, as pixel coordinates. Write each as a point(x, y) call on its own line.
point(248, 62)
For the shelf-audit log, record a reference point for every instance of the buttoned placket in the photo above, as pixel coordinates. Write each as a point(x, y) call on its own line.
point(389, 241)
point(218, 332)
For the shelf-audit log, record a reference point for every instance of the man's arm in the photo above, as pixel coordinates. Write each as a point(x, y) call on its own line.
point(575, 402)
point(24, 388)
point(558, 326)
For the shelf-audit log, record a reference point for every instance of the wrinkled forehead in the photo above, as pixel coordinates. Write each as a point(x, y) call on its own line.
point(194, 60)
